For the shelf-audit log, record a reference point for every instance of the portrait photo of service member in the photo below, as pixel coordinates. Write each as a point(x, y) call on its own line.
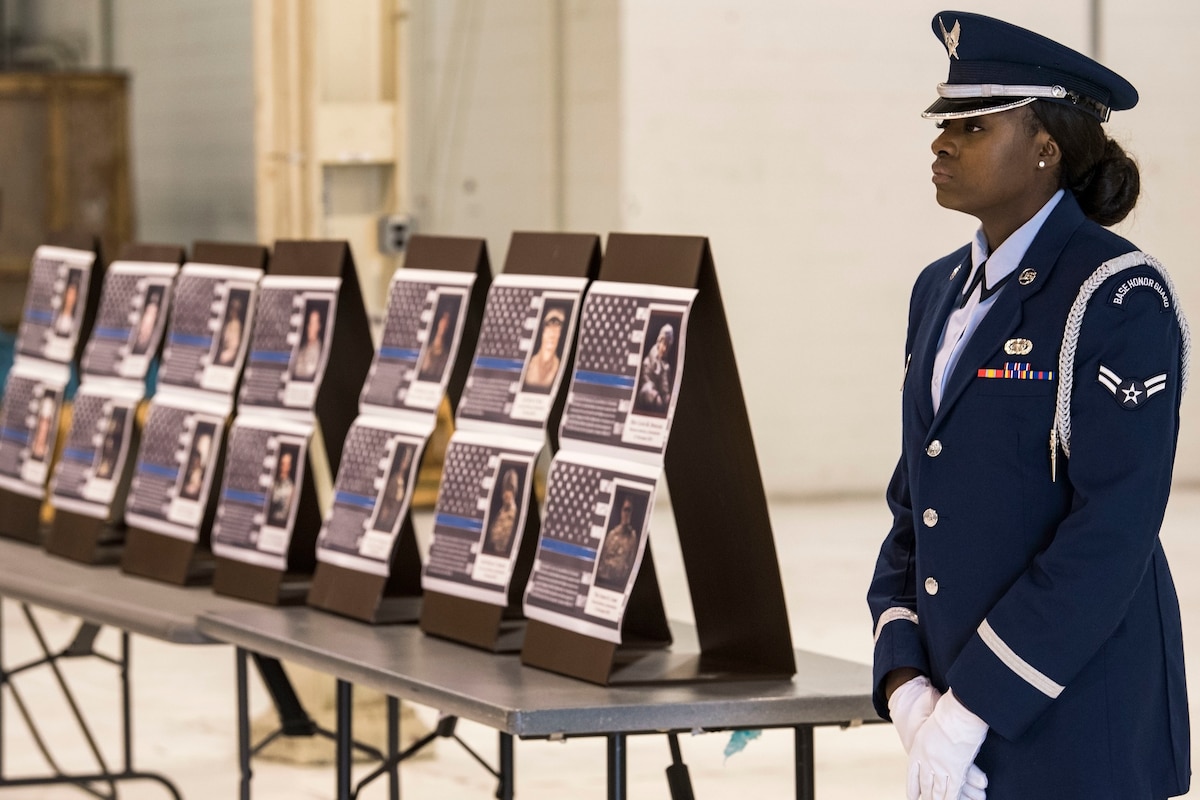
point(504, 511)
point(229, 342)
point(657, 376)
point(1028, 641)
point(307, 358)
point(43, 426)
point(65, 319)
point(144, 333)
point(546, 357)
point(440, 339)
point(110, 445)
point(395, 489)
point(283, 487)
point(197, 461)
point(620, 547)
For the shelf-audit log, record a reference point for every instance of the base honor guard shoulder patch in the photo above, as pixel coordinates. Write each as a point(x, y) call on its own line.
point(1131, 393)
point(1137, 283)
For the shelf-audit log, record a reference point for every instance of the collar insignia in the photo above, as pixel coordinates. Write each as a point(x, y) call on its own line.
point(1027, 277)
point(951, 37)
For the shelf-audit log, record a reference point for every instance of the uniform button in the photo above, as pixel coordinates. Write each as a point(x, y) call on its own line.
point(930, 516)
point(931, 585)
point(935, 449)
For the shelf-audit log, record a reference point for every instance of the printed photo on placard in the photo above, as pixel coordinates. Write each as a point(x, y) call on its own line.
point(211, 318)
point(592, 542)
point(176, 462)
point(130, 321)
point(628, 369)
point(260, 492)
point(230, 343)
point(480, 516)
point(88, 477)
point(290, 345)
point(422, 332)
point(54, 302)
point(524, 344)
point(372, 492)
point(29, 418)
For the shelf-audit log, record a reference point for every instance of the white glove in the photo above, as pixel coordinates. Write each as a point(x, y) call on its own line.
point(910, 705)
point(943, 754)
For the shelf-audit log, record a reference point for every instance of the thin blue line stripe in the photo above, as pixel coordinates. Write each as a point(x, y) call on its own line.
point(455, 521)
point(506, 364)
point(156, 469)
point(354, 499)
point(238, 496)
point(568, 549)
point(398, 353)
point(604, 379)
point(190, 340)
point(271, 356)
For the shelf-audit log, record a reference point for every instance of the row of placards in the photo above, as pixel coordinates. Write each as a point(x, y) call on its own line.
point(600, 487)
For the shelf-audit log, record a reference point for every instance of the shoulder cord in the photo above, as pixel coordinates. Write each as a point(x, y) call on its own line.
point(1060, 434)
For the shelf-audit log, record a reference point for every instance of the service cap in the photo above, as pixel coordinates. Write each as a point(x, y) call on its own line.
point(995, 66)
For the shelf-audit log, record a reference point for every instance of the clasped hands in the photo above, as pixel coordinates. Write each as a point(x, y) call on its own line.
point(942, 738)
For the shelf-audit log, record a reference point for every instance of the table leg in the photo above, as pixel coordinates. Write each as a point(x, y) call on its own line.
point(805, 768)
point(345, 739)
point(243, 706)
point(393, 750)
point(507, 776)
point(617, 777)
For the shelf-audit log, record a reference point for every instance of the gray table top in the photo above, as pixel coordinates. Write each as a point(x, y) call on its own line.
point(498, 691)
point(106, 596)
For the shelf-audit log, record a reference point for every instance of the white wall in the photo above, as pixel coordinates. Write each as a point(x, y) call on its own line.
point(191, 117)
point(790, 134)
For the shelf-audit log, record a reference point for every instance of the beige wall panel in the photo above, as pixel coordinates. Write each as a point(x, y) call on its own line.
point(790, 134)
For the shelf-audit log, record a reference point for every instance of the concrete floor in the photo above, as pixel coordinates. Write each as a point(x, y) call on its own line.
point(185, 720)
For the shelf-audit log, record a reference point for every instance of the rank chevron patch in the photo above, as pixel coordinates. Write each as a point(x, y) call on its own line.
point(1131, 393)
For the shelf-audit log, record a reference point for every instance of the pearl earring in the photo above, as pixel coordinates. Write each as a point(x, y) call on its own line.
point(1041, 165)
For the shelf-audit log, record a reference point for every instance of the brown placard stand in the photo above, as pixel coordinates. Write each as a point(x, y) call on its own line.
point(396, 597)
point(335, 409)
point(166, 558)
point(501, 629)
point(718, 501)
point(89, 539)
point(21, 516)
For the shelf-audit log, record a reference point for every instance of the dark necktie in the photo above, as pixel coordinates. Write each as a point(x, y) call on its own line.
point(984, 291)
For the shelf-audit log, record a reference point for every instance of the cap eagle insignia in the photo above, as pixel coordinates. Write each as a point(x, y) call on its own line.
point(951, 37)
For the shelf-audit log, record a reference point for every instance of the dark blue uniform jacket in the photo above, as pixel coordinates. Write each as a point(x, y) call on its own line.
point(1046, 604)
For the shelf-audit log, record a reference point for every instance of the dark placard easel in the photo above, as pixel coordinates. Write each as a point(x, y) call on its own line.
point(89, 539)
point(335, 408)
point(166, 558)
point(719, 505)
point(21, 516)
point(397, 597)
point(486, 625)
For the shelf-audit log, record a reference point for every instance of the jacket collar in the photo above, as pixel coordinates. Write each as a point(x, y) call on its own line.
point(1004, 317)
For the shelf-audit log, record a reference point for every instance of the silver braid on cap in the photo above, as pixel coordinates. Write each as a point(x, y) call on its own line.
point(1066, 355)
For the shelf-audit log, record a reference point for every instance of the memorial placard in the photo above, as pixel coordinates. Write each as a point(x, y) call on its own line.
point(130, 321)
point(177, 462)
point(290, 345)
point(372, 492)
point(91, 475)
point(422, 332)
point(59, 283)
point(210, 327)
point(33, 399)
point(264, 471)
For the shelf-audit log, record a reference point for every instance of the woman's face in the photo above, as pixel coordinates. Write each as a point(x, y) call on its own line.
point(550, 334)
point(987, 166)
point(314, 326)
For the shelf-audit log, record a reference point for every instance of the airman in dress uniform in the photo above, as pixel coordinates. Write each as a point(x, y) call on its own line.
point(1028, 642)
